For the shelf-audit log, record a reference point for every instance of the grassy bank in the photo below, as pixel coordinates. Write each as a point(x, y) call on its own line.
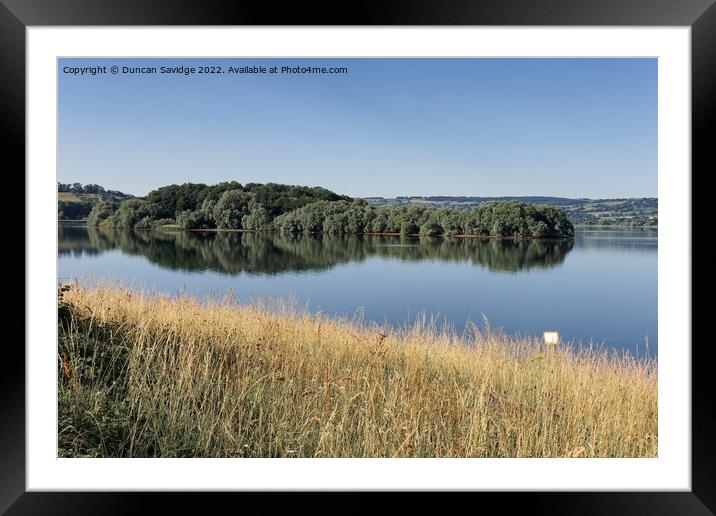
point(147, 376)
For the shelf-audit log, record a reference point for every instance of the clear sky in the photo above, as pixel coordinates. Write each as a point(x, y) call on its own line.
point(478, 127)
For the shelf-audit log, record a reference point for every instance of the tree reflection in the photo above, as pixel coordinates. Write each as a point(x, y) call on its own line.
point(274, 253)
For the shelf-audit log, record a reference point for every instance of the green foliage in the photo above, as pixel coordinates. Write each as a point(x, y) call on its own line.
point(101, 212)
point(74, 210)
point(278, 198)
point(132, 213)
point(412, 218)
point(96, 191)
point(231, 208)
point(80, 199)
point(162, 222)
point(194, 220)
point(171, 200)
point(432, 226)
point(626, 212)
point(258, 218)
point(92, 360)
point(499, 219)
point(230, 205)
point(296, 209)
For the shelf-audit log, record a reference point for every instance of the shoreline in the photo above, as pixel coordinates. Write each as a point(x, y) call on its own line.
point(582, 227)
point(224, 230)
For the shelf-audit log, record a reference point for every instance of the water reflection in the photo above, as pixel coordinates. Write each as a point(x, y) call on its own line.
point(645, 240)
point(274, 253)
point(601, 287)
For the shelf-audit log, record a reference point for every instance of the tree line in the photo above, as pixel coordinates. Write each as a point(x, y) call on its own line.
point(79, 205)
point(79, 188)
point(296, 209)
point(501, 218)
point(73, 210)
point(200, 206)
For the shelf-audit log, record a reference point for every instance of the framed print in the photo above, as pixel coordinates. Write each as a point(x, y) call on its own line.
point(444, 248)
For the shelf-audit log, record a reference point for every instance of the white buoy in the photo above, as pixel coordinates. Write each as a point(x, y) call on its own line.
point(551, 338)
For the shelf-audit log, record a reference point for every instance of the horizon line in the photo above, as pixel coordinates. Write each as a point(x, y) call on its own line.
point(380, 196)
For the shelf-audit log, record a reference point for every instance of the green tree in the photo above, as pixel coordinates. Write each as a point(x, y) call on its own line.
point(258, 218)
point(432, 226)
point(129, 213)
point(198, 219)
point(231, 208)
point(101, 212)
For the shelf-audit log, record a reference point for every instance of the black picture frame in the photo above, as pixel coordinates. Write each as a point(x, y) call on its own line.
point(16, 15)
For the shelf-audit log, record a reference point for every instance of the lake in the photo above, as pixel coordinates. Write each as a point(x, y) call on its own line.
point(600, 287)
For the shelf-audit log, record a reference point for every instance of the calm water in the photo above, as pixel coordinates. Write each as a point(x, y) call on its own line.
point(600, 287)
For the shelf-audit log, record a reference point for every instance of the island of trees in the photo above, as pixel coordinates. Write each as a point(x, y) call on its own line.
point(295, 209)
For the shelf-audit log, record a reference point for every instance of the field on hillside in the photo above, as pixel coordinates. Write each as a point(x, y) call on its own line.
point(69, 197)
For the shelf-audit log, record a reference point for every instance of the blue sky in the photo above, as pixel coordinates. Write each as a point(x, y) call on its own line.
point(483, 127)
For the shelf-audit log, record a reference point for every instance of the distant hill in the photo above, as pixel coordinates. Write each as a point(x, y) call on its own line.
point(75, 200)
point(633, 212)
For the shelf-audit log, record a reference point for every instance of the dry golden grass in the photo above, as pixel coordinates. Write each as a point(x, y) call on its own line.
point(142, 375)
